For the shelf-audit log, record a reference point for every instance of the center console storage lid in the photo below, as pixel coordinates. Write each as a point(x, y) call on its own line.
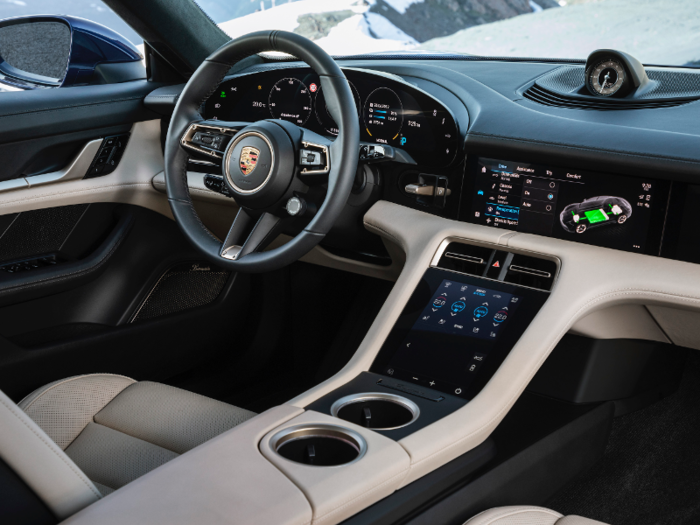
point(223, 481)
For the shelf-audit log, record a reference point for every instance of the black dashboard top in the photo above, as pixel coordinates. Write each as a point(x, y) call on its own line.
point(447, 114)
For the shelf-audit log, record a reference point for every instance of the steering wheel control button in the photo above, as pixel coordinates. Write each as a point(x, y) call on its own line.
point(310, 158)
point(295, 206)
point(216, 183)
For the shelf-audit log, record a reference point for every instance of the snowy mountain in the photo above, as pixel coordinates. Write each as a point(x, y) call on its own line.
point(343, 27)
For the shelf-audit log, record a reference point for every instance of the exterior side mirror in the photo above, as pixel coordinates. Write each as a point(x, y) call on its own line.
point(39, 52)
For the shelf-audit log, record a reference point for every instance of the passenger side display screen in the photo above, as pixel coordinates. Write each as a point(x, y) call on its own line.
point(614, 211)
point(455, 332)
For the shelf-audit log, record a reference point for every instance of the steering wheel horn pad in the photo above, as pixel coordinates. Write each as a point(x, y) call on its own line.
point(266, 153)
point(248, 163)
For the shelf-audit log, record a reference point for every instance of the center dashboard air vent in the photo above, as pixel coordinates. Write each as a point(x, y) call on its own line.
point(482, 261)
point(563, 88)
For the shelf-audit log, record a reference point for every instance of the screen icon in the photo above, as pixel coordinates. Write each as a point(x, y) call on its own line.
point(481, 311)
point(458, 306)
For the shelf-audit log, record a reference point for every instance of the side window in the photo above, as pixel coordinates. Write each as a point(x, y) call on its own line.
point(46, 44)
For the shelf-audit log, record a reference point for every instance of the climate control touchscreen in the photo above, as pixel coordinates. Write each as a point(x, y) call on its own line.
point(455, 332)
point(461, 309)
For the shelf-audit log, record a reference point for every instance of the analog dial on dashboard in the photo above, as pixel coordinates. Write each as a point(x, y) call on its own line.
point(322, 114)
point(383, 115)
point(290, 100)
point(606, 78)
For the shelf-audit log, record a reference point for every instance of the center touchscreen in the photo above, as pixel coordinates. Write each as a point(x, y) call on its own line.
point(613, 211)
point(455, 332)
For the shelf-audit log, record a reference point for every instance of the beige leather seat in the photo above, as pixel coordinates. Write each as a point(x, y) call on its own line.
point(521, 515)
point(116, 429)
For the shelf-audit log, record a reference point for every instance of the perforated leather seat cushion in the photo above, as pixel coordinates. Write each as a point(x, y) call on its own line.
point(522, 515)
point(116, 429)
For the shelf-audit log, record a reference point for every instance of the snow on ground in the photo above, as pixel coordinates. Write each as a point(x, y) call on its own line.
point(401, 5)
point(354, 36)
point(364, 32)
point(654, 31)
point(284, 17)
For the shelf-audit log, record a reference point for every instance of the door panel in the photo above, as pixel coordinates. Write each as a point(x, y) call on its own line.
point(186, 308)
point(43, 129)
point(94, 274)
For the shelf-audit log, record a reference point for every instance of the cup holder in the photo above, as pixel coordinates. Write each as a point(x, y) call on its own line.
point(319, 445)
point(375, 410)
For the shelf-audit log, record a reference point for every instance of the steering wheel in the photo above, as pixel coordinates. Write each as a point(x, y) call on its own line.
point(268, 165)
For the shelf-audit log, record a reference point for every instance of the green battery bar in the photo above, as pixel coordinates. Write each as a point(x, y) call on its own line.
point(595, 216)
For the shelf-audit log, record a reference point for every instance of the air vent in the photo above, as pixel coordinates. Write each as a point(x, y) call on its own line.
point(559, 100)
point(532, 272)
point(514, 268)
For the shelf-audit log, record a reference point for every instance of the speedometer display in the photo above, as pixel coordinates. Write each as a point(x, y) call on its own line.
point(322, 113)
point(383, 115)
point(290, 100)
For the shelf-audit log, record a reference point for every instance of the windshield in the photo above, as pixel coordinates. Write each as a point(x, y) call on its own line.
point(664, 32)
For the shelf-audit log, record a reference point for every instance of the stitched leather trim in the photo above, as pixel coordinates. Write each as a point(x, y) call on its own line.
point(61, 456)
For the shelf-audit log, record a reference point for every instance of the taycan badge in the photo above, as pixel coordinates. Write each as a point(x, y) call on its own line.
point(249, 159)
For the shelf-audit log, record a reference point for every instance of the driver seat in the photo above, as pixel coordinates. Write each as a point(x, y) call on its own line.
point(112, 429)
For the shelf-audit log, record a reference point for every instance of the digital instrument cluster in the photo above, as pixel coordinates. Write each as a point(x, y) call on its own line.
point(613, 211)
point(390, 112)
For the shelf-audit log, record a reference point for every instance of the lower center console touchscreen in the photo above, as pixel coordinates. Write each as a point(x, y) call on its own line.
point(455, 332)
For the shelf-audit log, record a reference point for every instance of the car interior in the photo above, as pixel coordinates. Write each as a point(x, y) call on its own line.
point(245, 282)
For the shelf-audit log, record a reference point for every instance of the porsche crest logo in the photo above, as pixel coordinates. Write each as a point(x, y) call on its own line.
point(249, 159)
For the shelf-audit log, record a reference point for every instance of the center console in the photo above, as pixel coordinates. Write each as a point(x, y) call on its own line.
point(463, 318)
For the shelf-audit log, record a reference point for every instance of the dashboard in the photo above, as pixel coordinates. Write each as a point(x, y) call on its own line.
point(626, 180)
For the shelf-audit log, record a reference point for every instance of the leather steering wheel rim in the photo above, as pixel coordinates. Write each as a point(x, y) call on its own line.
point(343, 151)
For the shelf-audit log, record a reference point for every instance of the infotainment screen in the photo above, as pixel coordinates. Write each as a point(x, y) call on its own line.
point(614, 211)
point(455, 332)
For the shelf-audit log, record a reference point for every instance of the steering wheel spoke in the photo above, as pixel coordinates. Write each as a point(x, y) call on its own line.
point(209, 138)
point(314, 157)
point(248, 235)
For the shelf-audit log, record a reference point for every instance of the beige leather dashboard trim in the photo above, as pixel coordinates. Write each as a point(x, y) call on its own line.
point(336, 493)
point(624, 321)
point(590, 279)
point(682, 326)
point(225, 481)
point(43, 466)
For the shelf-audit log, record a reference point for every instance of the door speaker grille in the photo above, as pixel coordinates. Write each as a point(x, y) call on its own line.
point(182, 288)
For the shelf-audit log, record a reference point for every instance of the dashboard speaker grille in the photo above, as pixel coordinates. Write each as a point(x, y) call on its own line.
point(182, 288)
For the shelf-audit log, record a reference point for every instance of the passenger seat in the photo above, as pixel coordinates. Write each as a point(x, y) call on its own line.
point(521, 515)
